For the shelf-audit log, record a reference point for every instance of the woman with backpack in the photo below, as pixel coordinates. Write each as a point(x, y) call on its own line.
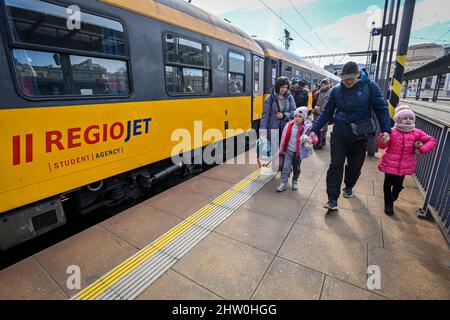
point(278, 110)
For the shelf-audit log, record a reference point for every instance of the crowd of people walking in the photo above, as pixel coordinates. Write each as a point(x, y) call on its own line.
point(354, 107)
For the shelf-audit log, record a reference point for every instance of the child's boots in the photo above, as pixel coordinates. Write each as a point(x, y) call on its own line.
point(389, 208)
point(282, 187)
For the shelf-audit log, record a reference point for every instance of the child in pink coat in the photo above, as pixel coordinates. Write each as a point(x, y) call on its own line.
point(399, 158)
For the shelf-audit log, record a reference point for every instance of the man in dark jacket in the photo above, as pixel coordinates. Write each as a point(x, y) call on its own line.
point(299, 92)
point(353, 100)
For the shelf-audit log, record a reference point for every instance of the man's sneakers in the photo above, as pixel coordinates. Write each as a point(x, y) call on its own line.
point(294, 185)
point(348, 192)
point(332, 205)
point(282, 187)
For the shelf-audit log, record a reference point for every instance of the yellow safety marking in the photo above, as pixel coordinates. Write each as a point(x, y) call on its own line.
point(224, 197)
point(129, 265)
point(402, 60)
point(254, 175)
point(396, 86)
point(241, 185)
point(115, 275)
point(391, 110)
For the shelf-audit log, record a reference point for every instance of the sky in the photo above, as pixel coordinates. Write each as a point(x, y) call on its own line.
point(329, 26)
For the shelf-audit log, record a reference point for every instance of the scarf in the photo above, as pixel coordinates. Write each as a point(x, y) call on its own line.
point(288, 137)
point(405, 127)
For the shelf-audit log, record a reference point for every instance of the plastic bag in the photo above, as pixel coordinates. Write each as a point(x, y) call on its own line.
point(264, 152)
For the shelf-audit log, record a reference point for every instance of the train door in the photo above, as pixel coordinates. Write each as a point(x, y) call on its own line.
point(274, 72)
point(257, 88)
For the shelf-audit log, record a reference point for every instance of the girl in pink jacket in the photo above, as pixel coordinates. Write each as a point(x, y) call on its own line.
point(399, 158)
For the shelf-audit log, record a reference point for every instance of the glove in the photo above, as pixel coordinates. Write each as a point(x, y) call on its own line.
point(304, 139)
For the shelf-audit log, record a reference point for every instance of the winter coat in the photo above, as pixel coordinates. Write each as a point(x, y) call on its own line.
point(353, 105)
point(305, 149)
point(301, 96)
point(269, 120)
point(322, 100)
point(399, 157)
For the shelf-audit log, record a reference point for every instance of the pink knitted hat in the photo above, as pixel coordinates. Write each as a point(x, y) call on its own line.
point(402, 112)
point(303, 111)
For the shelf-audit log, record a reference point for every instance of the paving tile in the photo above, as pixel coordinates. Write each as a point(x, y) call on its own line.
point(224, 266)
point(407, 277)
point(173, 286)
point(358, 203)
point(95, 250)
point(204, 186)
point(276, 205)
point(418, 240)
point(141, 225)
point(179, 202)
point(27, 280)
point(258, 230)
point(357, 225)
point(305, 187)
point(405, 212)
point(410, 195)
point(286, 280)
point(328, 253)
point(232, 173)
point(335, 289)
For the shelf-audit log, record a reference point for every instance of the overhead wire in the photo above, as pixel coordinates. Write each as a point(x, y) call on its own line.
point(288, 25)
point(309, 26)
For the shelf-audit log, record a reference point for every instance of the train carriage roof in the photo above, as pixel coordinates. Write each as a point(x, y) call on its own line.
point(188, 16)
point(288, 56)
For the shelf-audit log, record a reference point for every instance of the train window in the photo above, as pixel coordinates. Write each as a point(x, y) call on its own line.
point(191, 53)
point(236, 63)
point(39, 73)
point(274, 73)
point(308, 78)
point(288, 72)
point(95, 76)
point(236, 73)
point(187, 52)
point(171, 49)
point(41, 23)
point(187, 66)
point(236, 83)
point(257, 72)
point(187, 80)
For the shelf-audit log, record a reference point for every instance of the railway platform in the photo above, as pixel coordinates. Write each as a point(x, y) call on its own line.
point(227, 234)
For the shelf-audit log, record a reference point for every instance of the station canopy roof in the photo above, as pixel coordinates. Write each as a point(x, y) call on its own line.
point(435, 67)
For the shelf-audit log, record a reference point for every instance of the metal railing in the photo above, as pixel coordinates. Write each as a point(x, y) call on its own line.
point(433, 172)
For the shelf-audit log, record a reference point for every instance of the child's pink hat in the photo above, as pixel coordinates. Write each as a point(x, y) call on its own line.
point(402, 112)
point(303, 111)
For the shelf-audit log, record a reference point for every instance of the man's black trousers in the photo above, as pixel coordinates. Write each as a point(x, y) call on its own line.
point(344, 148)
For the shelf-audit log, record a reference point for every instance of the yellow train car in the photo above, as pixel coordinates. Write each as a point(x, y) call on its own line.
point(99, 99)
point(281, 62)
point(95, 98)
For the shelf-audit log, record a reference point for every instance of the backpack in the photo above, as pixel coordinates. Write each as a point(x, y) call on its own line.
point(301, 99)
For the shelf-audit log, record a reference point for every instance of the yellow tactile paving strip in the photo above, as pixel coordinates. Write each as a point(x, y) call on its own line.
point(105, 283)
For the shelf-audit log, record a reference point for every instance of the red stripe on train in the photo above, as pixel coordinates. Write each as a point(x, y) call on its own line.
point(16, 150)
point(29, 147)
